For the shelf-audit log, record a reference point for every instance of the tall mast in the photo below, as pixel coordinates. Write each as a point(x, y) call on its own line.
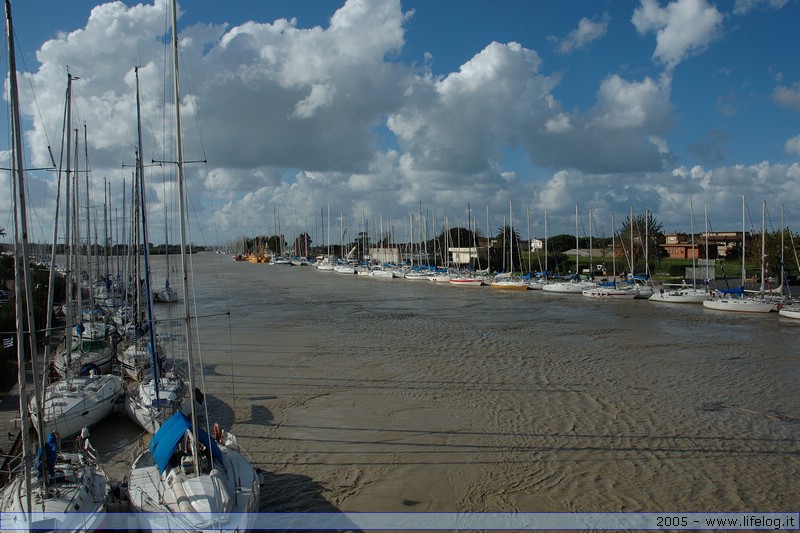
point(48, 332)
point(182, 209)
point(694, 253)
point(510, 240)
point(591, 270)
point(763, 234)
point(22, 273)
point(146, 252)
point(577, 245)
point(744, 275)
point(633, 268)
point(545, 244)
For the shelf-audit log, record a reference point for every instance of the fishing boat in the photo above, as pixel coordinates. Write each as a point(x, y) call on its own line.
point(201, 482)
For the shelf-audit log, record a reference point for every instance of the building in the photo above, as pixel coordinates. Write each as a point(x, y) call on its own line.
point(680, 245)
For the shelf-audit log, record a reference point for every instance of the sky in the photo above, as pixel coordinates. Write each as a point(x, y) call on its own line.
point(334, 117)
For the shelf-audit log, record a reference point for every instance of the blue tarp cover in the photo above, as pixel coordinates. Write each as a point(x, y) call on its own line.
point(170, 434)
point(739, 291)
point(50, 455)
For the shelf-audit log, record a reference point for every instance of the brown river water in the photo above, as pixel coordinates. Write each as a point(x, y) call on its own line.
point(371, 395)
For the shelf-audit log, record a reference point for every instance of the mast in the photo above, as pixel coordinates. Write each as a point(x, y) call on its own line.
point(577, 245)
point(763, 232)
point(694, 254)
point(647, 243)
point(183, 221)
point(708, 281)
point(591, 268)
point(48, 332)
point(613, 251)
point(545, 245)
point(488, 240)
point(142, 207)
point(510, 240)
point(89, 247)
point(743, 244)
point(21, 266)
point(633, 268)
point(22, 273)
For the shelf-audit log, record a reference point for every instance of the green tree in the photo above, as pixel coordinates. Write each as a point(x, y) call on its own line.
point(276, 243)
point(647, 234)
point(774, 254)
point(506, 247)
point(302, 244)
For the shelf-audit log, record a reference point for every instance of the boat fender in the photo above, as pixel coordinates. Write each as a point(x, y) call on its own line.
point(217, 433)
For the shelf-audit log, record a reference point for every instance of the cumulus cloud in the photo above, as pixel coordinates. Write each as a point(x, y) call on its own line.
point(793, 146)
point(682, 28)
point(293, 118)
point(588, 30)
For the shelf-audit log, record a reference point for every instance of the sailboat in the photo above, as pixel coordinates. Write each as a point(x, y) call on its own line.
point(154, 396)
point(78, 352)
point(610, 290)
point(683, 294)
point(202, 482)
point(468, 278)
point(736, 300)
point(62, 491)
point(576, 285)
point(506, 281)
point(77, 401)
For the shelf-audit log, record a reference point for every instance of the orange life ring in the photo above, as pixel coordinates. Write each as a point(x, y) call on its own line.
point(217, 433)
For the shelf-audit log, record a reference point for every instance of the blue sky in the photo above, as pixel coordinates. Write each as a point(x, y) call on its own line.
point(373, 108)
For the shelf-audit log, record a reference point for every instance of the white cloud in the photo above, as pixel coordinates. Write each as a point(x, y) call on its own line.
point(320, 96)
point(788, 96)
point(682, 28)
point(742, 7)
point(558, 124)
point(294, 118)
point(793, 146)
point(587, 32)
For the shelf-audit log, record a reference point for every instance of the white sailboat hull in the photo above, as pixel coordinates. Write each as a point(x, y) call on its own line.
point(509, 284)
point(740, 305)
point(789, 313)
point(70, 405)
point(141, 407)
point(195, 499)
point(569, 287)
point(76, 485)
point(621, 294)
point(680, 296)
point(466, 282)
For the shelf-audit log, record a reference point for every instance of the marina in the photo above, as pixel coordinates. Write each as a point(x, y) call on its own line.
point(357, 394)
point(269, 372)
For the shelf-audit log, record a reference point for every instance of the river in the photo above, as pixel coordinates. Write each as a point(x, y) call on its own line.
point(366, 394)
